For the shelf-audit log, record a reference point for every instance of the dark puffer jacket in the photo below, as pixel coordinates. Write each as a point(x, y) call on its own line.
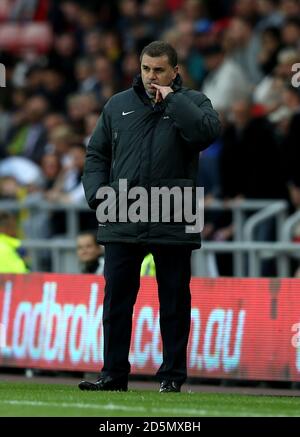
point(150, 147)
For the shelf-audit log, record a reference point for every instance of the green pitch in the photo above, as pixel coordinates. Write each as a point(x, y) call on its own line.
point(31, 399)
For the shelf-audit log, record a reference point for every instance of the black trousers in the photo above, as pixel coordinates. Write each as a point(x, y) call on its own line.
point(122, 276)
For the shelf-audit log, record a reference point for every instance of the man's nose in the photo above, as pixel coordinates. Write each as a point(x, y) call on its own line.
point(152, 75)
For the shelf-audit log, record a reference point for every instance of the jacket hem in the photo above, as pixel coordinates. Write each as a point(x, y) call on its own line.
point(194, 245)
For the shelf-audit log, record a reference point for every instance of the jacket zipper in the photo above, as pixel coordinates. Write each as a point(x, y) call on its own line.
point(153, 127)
point(114, 144)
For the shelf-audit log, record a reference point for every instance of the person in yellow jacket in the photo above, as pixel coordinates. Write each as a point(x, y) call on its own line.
point(10, 259)
point(148, 266)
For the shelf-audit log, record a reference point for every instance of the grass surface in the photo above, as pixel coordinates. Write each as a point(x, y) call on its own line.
point(32, 399)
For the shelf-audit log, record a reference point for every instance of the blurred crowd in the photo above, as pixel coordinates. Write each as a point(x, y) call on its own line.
point(242, 54)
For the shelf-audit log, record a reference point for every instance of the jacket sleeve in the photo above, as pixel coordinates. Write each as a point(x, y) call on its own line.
point(98, 160)
point(196, 119)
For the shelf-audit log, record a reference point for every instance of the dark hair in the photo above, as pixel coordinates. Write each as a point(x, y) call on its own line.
point(160, 48)
point(294, 21)
point(274, 31)
point(89, 234)
point(79, 146)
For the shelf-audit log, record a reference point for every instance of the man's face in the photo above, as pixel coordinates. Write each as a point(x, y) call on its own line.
point(87, 249)
point(157, 70)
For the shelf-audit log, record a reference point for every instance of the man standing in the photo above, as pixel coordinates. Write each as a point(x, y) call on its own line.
point(150, 135)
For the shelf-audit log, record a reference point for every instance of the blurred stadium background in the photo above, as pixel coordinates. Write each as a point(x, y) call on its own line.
point(61, 62)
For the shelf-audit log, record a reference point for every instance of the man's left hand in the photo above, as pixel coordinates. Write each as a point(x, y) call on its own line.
point(162, 91)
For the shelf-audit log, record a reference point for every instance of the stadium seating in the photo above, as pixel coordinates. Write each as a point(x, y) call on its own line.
point(15, 37)
point(4, 10)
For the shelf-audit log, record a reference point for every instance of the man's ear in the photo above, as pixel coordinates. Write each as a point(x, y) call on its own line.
point(176, 71)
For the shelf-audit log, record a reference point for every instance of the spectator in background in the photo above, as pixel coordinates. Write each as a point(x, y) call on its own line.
point(289, 8)
point(182, 37)
point(106, 79)
point(51, 168)
point(269, 15)
point(28, 137)
point(33, 76)
point(53, 120)
point(90, 125)
point(9, 188)
point(60, 140)
point(270, 47)
point(68, 187)
point(55, 87)
point(226, 81)
point(84, 72)
point(93, 43)
point(130, 68)
point(90, 254)
point(80, 105)
point(194, 10)
point(290, 145)
point(243, 45)
point(251, 162)
point(63, 56)
point(291, 32)
point(251, 167)
point(245, 9)
point(112, 46)
point(270, 90)
point(157, 17)
point(128, 21)
point(10, 246)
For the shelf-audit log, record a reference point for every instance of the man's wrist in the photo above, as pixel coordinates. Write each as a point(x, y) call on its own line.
point(168, 92)
point(169, 96)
